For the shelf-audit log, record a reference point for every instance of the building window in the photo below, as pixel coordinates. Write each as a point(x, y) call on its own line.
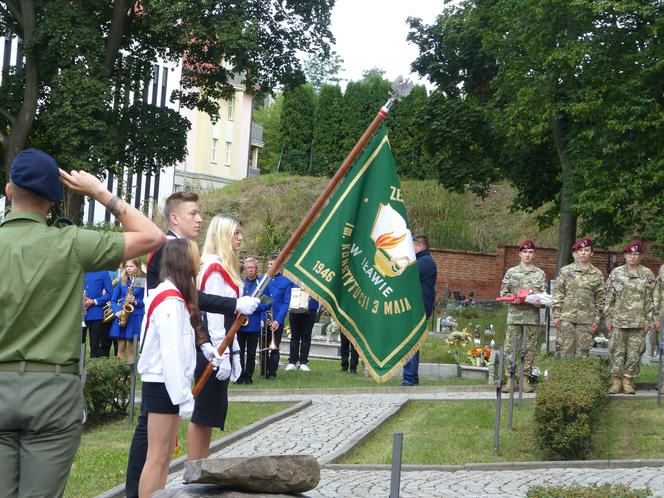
point(213, 155)
point(228, 154)
point(231, 108)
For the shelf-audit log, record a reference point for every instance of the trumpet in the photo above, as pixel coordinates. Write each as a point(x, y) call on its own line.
point(128, 308)
point(268, 324)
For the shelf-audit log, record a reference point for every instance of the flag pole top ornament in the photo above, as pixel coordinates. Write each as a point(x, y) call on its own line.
point(400, 88)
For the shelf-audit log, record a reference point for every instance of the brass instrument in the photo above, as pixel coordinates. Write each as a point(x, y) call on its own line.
point(128, 308)
point(108, 313)
point(268, 323)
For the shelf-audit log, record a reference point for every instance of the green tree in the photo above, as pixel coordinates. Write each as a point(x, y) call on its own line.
point(320, 69)
point(78, 91)
point(408, 133)
point(329, 131)
point(269, 117)
point(362, 100)
point(547, 94)
point(297, 128)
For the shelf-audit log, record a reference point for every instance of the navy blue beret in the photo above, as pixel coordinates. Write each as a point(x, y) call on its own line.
point(35, 170)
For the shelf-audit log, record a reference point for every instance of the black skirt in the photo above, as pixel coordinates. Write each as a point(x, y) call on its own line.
point(212, 402)
point(155, 399)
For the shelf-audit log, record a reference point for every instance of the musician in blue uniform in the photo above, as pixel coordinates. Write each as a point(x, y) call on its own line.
point(98, 289)
point(126, 334)
point(302, 323)
point(249, 334)
point(279, 290)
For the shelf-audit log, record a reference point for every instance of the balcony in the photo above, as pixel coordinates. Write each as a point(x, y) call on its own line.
point(256, 137)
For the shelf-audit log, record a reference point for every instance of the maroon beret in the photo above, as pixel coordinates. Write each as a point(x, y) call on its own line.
point(581, 243)
point(526, 244)
point(633, 246)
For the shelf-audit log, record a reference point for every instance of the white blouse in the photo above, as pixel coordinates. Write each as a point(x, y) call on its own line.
point(216, 284)
point(169, 346)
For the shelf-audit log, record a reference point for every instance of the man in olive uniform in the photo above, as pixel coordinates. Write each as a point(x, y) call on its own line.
point(658, 299)
point(523, 276)
point(41, 401)
point(578, 301)
point(629, 313)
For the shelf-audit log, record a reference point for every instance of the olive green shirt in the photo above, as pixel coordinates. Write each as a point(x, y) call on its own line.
point(41, 285)
point(629, 297)
point(578, 296)
point(516, 279)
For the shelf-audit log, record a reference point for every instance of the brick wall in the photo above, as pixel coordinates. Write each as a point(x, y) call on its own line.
point(466, 271)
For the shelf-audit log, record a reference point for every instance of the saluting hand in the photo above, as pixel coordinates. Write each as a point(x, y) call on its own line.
point(82, 182)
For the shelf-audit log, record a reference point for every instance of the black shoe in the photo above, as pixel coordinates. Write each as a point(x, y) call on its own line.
point(271, 377)
point(353, 371)
point(407, 384)
point(344, 370)
point(248, 381)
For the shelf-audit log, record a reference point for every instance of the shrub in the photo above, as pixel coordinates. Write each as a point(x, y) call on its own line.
point(106, 391)
point(568, 406)
point(578, 491)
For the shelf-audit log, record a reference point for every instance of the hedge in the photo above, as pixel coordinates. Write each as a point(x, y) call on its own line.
point(106, 390)
point(568, 405)
point(594, 491)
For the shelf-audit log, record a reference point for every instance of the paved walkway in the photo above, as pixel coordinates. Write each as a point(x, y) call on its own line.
point(332, 424)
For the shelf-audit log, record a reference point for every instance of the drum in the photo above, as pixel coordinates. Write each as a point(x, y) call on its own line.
point(299, 301)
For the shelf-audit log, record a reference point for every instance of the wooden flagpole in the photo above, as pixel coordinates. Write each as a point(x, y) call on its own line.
point(400, 88)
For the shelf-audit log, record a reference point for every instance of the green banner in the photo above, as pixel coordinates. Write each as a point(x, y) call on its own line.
point(357, 259)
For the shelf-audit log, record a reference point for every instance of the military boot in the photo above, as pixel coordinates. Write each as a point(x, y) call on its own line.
point(628, 386)
point(507, 385)
point(527, 386)
point(616, 386)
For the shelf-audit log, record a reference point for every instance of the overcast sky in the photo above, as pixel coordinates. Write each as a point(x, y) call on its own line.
point(372, 33)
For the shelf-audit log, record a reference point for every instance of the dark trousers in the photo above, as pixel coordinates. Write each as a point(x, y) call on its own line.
point(411, 370)
point(273, 360)
point(248, 342)
point(137, 453)
point(347, 349)
point(100, 342)
point(301, 326)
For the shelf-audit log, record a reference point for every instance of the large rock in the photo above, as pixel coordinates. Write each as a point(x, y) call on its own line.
point(211, 491)
point(268, 474)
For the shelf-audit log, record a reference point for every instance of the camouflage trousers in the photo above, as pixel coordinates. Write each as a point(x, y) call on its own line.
point(531, 346)
point(626, 347)
point(575, 339)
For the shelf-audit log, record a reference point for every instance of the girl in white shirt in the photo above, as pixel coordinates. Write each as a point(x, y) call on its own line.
point(220, 274)
point(168, 357)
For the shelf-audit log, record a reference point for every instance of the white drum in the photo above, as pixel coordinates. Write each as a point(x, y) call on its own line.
point(299, 301)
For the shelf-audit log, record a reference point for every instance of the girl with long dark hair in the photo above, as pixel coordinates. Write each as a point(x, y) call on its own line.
point(168, 357)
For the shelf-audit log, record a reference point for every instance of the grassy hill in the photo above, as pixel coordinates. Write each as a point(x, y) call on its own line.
point(271, 207)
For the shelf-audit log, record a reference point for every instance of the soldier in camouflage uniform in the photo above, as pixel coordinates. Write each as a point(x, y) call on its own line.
point(658, 299)
point(629, 313)
point(524, 276)
point(578, 302)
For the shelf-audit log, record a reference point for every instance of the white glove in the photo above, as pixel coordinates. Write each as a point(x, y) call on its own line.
point(187, 409)
point(224, 370)
point(236, 368)
point(211, 354)
point(246, 305)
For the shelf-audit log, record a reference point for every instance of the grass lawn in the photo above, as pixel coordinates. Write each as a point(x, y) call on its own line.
point(328, 374)
point(101, 460)
point(458, 432)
